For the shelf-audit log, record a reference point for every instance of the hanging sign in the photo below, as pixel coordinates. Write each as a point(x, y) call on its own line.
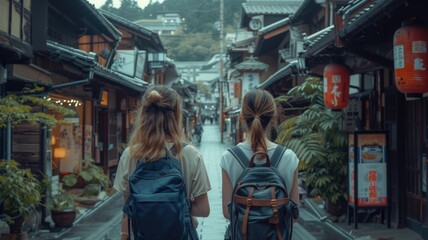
point(411, 59)
point(336, 86)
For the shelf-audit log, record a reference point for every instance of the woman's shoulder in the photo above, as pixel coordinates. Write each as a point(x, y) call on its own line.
point(189, 151)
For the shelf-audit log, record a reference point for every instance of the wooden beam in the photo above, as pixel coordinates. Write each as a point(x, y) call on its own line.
point(275, 32)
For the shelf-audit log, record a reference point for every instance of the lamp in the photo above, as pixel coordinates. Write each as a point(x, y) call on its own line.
point(59, 152)
point(53, 141)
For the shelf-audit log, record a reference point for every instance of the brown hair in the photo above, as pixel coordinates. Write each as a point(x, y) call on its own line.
point(158, 120)
point(257, 113)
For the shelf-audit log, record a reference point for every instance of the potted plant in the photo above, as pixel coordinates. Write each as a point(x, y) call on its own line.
point(20, 194)
point(90, 174)
point(63, 209)
point(316, 138)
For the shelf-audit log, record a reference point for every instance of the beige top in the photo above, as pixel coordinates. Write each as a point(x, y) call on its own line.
point(287, 165)
point(194, 172)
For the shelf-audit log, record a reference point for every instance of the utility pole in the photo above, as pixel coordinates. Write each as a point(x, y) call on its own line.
point(220, 79)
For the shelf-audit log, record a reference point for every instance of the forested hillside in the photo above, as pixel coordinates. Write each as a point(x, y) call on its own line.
point(200, 39)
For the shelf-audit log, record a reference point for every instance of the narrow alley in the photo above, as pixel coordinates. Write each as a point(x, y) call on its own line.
point(104, 221)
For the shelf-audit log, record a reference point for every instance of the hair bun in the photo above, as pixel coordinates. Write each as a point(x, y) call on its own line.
point(155, 97)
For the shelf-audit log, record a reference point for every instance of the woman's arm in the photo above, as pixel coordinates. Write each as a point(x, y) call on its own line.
point(295, 189)
point(124, 232)
point(200, 206)
point(226, 187)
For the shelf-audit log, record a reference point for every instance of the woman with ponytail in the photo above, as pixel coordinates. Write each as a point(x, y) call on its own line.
point(258, 114)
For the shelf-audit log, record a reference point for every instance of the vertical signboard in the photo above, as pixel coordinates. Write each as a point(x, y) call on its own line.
point(368, 175)
point(249, 81)
point(372, 175)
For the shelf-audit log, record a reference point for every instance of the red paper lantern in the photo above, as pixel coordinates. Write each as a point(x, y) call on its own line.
point(411, 59)
point(336, 86)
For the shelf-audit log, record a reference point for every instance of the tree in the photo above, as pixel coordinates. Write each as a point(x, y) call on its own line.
point(130, 10)
point(203, 88)
point(190, 47)
point(107, 6)
point(27, 107)
point(199, 34)
point(317, 140)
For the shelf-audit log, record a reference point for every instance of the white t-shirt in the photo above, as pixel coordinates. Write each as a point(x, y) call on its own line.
point(286, 166)
point(194, 172)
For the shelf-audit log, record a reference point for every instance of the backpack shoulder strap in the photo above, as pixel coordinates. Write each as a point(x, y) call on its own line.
point(277, 155)
point(240, 156)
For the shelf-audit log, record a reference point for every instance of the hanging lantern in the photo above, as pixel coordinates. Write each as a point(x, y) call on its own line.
point(411, 59)
point(336, 86)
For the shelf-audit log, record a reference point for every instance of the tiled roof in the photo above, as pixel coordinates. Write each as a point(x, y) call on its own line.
point(275, 25)
point(318, 37)
point(252, 64)
point(243, 43)
point(358, 12)
point(107, 22)
point(281, 73)
point(87, 15)
point(276, 30)
point(87, 61)
point(305, 9)
point(154, 37)
point(256, 7)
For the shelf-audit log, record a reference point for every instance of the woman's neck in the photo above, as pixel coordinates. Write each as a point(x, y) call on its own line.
point(268, 142)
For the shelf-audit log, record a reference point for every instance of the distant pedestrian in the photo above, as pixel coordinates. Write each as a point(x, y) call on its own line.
point(157, 133)
point(198, 129)
point(258, 112)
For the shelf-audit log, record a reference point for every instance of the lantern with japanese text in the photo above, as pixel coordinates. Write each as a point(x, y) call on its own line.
point(411, 59)
point(336, 86)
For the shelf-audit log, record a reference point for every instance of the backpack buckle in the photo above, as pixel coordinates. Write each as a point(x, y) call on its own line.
point(249, 202)
point(273, 203)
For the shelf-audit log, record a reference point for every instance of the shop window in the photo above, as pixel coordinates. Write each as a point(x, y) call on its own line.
point(27, 22)
point(104, 98)
point(68, 137)
point(4, 15)
point(16, 18)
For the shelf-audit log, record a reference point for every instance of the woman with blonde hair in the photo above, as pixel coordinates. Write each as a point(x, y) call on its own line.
point(158, 132)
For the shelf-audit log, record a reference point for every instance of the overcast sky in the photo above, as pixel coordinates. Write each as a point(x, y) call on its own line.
point(116, 3)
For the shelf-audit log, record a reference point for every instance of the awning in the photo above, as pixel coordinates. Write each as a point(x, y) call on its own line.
point(251, 64)
point(283, 72)
point(361, 13)
point(269, 37)
point(318, 41)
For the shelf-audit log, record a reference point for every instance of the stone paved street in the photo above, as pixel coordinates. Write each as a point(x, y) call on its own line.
point(104, 221)
point(213, 227)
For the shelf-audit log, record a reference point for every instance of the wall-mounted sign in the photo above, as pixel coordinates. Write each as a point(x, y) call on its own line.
point(124, 62)
point(130, 62)
point(156, 60)
point(249, 81)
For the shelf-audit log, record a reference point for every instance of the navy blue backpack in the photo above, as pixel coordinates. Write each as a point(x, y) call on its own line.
point(260, 207)
point(158, 207)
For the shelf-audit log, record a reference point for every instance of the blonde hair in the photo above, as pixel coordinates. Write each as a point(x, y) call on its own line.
point(258, 111)
point(158, 121)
